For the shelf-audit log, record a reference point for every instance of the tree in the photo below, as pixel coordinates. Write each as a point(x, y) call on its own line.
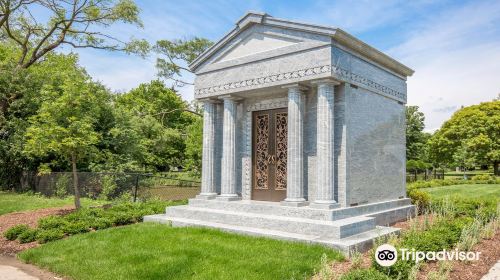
point(157, 100)
point(415, 137)
point(194, 143)
point(471, 135)
point(28, 84)
point(160, 118)
point(77, 23)
point(65, 126)
point(178, 53)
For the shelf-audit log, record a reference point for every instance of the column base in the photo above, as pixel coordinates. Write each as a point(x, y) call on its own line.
point(230, 197)
point(324, 204)
point(294, 203)
point(206, 196)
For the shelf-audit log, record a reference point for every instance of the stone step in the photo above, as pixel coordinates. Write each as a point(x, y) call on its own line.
point(360, 242)
point(264, 207)
point(329, 229)
point(391, 216)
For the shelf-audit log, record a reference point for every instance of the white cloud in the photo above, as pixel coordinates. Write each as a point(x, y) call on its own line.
point(456, 56)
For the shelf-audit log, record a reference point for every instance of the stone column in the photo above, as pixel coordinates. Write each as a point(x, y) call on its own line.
point(228, 168)
point(295, 160)
point(325, 191)
point(208, 166)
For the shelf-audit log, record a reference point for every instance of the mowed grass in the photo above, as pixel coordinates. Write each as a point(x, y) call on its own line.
point(154, 251)
point(15, 202)
point(475, 191)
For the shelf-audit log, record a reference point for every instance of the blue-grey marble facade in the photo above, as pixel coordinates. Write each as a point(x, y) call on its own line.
point(254, 67)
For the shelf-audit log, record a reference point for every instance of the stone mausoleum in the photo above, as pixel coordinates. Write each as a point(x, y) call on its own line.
point(303, 136)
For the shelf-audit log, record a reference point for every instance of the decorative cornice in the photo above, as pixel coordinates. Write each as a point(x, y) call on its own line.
point(203, 92)
point(336, 72)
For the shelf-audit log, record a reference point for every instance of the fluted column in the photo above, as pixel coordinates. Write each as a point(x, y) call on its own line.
point(295, 160)
point(228, 168)
point(208, 165)
point(325, 186)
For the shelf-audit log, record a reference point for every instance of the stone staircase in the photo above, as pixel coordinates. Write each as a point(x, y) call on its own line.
point(346, 229)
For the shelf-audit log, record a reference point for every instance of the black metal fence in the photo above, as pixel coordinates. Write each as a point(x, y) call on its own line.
point(426, 175)
point(108, 185)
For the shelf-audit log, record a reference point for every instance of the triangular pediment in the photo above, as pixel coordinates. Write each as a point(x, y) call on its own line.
point(256, 43)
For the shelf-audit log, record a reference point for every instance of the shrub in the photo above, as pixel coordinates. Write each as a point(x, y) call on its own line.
point(52, 222)
point(76, 227)
point(13, 232)
point(443, 235)
point(120, 219)
point(100, 223)
point(362, 274)
point(62, 184)
point(485, 178)
point(48, 235)
point(399, 270)
point(108, 187)
point(420, 198)
point(28, 236)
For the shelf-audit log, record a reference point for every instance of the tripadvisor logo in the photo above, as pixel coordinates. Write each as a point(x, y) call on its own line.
point(387, 255)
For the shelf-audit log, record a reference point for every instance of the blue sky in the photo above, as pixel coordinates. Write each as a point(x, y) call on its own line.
point(454, 46)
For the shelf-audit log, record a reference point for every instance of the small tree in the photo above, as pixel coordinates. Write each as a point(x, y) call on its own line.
point(65, 126)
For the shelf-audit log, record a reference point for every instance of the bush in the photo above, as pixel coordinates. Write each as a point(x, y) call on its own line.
point(362, 274)
point(13, 232)
point(485, 179)
point(56, 227)
point(48, 235)
point(420, 198)
point(400, 270)
point(52, 222)
point(62, 186)
point(108, 187)
point(76, 227)
point(28, 236)
point(443, 235)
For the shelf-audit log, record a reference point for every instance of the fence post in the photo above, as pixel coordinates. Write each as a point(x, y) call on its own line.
point(425, 175)
point(136, 186)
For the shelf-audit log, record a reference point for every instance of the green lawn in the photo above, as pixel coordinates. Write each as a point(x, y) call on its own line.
point(14, 202)
point(479, 191)
point(153, 251)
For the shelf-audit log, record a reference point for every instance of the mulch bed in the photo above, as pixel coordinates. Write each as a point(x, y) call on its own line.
point(490, 254)
point(29, 218)
point(474, 270)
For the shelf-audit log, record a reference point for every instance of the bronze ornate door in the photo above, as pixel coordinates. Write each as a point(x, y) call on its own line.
point(269, 154)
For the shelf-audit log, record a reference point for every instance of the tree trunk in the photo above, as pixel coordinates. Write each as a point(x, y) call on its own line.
point(496, 170)
point(75, 181)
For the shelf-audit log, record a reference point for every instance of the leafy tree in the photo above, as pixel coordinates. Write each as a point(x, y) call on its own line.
point(415, 137)
point(157, 100)
point(470, 137)
point(194, 143)
point(159, 118)
point(28, 84)
point(65, 126)
point(178, 53)
point(77, 23)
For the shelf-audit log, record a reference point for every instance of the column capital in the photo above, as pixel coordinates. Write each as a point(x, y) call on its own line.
point(329, 81)
point(300, 87)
